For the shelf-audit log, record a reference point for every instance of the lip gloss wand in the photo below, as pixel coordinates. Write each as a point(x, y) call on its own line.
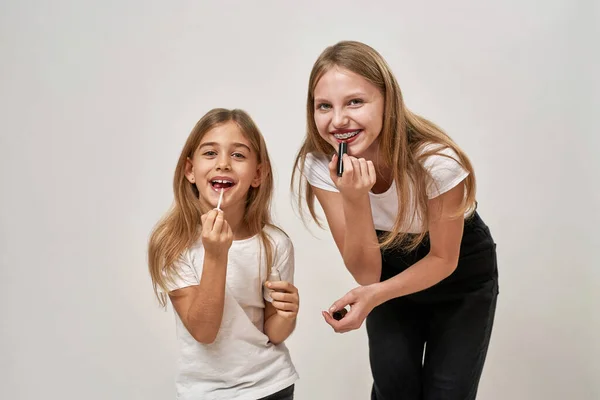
point(220, 200)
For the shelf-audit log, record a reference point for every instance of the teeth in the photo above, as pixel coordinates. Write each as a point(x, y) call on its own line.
point(347, 135)
point(220, 181)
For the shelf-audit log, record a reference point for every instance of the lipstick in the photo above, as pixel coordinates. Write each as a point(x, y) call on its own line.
point(342, 149)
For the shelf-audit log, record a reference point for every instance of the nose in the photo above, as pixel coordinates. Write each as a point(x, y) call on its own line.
point(223, 162)
point(340, 119)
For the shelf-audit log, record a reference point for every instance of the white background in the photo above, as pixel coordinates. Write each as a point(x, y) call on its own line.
point(97, 99)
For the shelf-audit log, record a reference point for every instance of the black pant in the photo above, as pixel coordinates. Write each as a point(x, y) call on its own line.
point(285, 394)
point(432, 344)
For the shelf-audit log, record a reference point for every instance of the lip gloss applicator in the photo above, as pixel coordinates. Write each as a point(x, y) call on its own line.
point(220, 200)
point(342, 149)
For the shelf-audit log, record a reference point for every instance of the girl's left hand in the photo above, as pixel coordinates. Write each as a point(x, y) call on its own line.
point(285, 298)
point(362, 301)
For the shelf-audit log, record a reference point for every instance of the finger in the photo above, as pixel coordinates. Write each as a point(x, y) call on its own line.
point(218, 225)
point(287, 314)
point(345, 325)
point(372, 173)
point(210, 220)
point(280, 305)
point(348, 168)
point(225, 226)
point(364, 170)
point(285, 297)
point(356, 166)
point(348, 299)
point(282, 286)
point(329, 319)
point(333, 164)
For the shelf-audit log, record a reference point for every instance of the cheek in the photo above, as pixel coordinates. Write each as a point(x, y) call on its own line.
point(322, 121)
point(373, 119)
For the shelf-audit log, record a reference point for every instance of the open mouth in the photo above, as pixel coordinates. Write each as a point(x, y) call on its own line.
point(222, 183)
point(346, 135)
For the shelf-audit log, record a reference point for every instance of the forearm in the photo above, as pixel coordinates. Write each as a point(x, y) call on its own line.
point(278, 328)
point(206, 311)
point(427, 272)
point(361, 252)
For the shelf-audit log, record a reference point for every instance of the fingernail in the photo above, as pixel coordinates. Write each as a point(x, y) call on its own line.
point(269, 284)
point(332, 309)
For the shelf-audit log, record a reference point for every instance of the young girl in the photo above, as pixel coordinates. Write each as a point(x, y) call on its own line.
point(402, 215)
point(212, 254)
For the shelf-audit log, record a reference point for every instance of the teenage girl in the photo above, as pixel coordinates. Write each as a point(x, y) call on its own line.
point(402, 215)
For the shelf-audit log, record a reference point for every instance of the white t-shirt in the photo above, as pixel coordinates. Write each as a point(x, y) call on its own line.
point(446, 173)
point(241, 363)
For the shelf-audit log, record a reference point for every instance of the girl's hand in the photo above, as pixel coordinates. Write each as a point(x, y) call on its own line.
point(285, 298)
point(358, 177)
point(216, 233)
point(361, 300)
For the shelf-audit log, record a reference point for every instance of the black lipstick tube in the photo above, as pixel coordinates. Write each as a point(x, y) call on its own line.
point(342, 149)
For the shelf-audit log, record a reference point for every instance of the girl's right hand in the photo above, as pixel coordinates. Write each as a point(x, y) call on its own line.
point(216, 233)
point(358, 177)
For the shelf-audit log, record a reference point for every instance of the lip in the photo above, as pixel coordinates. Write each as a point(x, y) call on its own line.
point(222, 178)
point(342, 131)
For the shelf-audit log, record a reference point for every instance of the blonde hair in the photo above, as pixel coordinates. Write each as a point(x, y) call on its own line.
point(401, 141)
point(178, 229)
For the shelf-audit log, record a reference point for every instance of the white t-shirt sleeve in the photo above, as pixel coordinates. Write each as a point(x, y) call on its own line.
point(184, 273)
point(316, 171)
point(284, 262)
point(445, 170)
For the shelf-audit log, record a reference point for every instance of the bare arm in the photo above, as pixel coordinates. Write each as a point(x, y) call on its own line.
point(200, 307)
point(278, 327)
point(445, 235)
point(351, 224)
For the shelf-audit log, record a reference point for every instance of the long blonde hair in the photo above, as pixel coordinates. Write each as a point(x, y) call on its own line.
point(401, 142)
point(179, 228)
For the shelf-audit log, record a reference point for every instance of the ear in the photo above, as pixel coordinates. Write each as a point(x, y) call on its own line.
point(189, 171)
point(257, 180)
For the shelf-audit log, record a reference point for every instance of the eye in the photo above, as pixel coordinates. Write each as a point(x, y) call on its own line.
point(238, 155)
point(323, 106)
point(209, 153)
point(355, 102)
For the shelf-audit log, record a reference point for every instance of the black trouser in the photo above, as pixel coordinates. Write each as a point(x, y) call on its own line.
point(285, 394)
point(433, 344)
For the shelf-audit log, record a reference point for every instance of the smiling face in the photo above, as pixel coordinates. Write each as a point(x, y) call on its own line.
point(224, 160)
point(348, 108)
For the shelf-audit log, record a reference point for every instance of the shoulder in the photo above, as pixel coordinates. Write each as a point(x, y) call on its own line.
point(431, 154)
point(316, 171)
point(444, 166)
point(281, 241)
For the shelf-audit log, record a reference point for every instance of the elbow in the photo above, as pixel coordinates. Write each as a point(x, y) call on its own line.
point(204, 337)
point(365, 273)
point(275, 341)
point(368, 277)
point(449, 266)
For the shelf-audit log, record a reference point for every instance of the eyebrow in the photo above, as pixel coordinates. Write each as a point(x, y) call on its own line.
point(215, 144)
point(350, 96)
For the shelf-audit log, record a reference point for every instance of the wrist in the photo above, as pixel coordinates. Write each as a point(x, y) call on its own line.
point(379, 293)
point(215, 256)
point(359, 200)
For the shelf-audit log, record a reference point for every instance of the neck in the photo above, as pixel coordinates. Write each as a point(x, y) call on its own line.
point(384, 173)
point(234, 215)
